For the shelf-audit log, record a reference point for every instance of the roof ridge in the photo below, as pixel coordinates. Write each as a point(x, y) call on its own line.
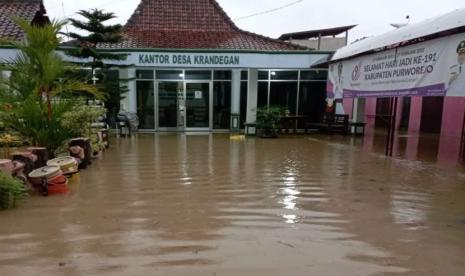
point(198, 24)
point(225, 15)
point(298, 47)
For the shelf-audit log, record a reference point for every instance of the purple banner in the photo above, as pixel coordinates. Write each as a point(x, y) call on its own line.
point(431, 90)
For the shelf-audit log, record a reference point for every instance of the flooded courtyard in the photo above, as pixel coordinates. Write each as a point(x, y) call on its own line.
point(211, 205)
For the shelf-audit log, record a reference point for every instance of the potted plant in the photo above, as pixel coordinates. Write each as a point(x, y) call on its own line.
point(268, 119)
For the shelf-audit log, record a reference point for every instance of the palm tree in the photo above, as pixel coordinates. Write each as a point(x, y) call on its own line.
point(39, 92)
point(39, 63)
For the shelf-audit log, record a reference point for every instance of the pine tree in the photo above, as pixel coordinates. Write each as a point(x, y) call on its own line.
point(86, 46)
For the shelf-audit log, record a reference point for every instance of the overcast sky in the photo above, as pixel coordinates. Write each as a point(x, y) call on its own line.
point(373, 17)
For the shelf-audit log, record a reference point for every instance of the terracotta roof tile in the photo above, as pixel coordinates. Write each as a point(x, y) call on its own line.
point(27, 9)
point(190, 24)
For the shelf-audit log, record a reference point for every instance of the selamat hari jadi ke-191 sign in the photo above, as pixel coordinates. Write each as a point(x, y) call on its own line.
point(432, 68)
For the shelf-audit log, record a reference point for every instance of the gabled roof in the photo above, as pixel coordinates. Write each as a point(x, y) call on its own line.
point(446, 24)
point(30, 10)
point(190, 24)
point(317, 33)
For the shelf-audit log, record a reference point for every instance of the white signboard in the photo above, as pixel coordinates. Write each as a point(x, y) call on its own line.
point(432, 68)
point(226, 60)
point(258, 60)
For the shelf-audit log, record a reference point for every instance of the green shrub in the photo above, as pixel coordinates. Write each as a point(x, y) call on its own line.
point(268, 119)
point(11, 191)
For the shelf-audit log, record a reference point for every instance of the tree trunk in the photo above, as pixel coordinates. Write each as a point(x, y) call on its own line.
point(46, 92)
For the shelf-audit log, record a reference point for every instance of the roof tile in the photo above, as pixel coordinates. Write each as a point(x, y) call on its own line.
point(27, 9)
point(190, 24)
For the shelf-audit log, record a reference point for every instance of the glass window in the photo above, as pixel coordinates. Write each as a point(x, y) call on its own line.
point(263, 75)
point(198, 75)
point(221, 105)
point(244, 96)
point(145, 104)
point(262, 94)
point(284, 75)
point(144, 74)
point(222, 75)
point(312, 100)
point(314, 75)
point(197, 105)
point(168, 97)
point(244, 75)
point(169, 75)
point(284, 94)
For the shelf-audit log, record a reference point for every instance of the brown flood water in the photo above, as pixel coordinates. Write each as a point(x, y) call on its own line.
point(207, 205)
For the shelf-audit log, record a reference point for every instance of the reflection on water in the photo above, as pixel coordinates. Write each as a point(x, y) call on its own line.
point(410, 208)
point(208, 205)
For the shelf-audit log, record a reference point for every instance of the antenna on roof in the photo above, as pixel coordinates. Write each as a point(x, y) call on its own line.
point(400, 25)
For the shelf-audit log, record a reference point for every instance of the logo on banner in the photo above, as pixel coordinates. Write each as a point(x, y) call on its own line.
point(357, 72)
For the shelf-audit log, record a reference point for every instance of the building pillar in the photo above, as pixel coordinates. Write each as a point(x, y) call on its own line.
point(416, 107)
point(252, 100)
point(359, 110)
point(348, 107)
point(236, 100)
point(414, 127)
point(400, 105)
point(451, 131)
point(128, 79)
point(370, 120)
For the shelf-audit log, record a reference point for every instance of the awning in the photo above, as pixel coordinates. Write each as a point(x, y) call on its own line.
point(447, 24)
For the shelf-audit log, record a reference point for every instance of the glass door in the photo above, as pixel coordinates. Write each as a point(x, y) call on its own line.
point(146, 105)
point(171, 106)
point(198, 108)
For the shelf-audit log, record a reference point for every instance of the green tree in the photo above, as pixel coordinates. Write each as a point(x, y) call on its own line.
point(38, 93)
point(97, 33)
point(38, 68)
point(86, 47)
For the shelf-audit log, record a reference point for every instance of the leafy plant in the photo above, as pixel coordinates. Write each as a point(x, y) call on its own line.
point(11, 191)
point(97, 33)
point(268, 119)
point(39, 66)
point(86, 47)
point(80, 120)
point(29, 119)
point(81, 117)
point(39, 92)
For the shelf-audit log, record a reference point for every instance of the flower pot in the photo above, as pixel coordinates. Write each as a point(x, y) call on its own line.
point(267, 133)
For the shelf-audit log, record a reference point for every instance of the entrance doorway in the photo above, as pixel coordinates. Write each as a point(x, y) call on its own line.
point(431, 115)
point(197, 105)
point(146, 105)
point(171, 105)
point(184, 106)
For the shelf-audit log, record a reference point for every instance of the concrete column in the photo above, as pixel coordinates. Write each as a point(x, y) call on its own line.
point(370, 120)
point(415, 115)
point(236, 100)
point(348, 107)
point(400, 104)
point(128, 79)
point(252, 99)
point(370, 113)
point(451, 131)
point(359, 110)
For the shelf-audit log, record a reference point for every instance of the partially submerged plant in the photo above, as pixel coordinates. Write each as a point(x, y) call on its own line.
point(11, 191)
point(268, 119)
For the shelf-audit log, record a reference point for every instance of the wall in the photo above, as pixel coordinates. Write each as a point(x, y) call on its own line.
point(327, 43)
